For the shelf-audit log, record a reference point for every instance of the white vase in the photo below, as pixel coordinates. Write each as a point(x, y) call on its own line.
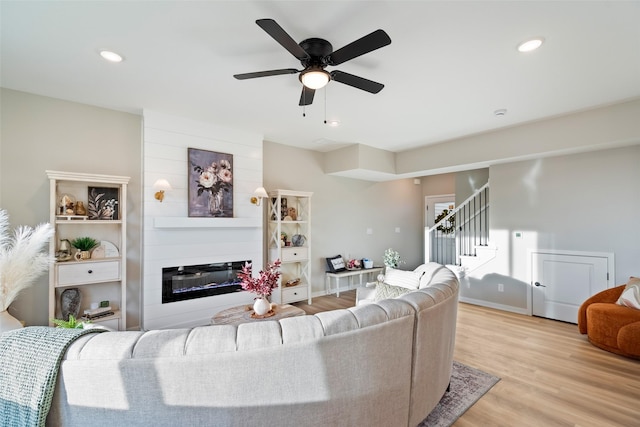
point(8, 322)
point(261, 306)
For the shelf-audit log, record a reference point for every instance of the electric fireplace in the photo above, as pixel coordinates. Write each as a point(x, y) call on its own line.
point(197, 281)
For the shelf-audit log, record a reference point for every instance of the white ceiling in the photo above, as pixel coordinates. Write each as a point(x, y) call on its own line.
point(450, 65)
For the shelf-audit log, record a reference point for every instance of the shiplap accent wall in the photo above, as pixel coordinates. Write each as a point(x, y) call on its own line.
point(166, 140)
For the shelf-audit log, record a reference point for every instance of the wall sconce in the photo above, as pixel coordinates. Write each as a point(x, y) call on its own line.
point(258, 195)
point(161, 186)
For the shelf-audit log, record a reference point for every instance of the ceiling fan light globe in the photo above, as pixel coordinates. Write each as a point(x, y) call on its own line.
point(315, 79)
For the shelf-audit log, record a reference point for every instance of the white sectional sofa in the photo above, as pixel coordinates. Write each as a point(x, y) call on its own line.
point(386, 363)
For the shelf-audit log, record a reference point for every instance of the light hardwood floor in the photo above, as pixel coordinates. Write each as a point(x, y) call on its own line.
point(550, 374)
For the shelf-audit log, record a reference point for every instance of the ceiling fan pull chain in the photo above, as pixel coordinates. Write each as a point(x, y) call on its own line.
point(325, 105)
point(304, 103)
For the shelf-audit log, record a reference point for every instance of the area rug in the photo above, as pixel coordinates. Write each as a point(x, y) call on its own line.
point(467, 386)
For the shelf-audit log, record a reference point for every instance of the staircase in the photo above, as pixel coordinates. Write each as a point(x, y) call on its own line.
point(461, 237)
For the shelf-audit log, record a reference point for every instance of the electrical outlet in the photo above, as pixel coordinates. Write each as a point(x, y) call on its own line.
point(500, 287)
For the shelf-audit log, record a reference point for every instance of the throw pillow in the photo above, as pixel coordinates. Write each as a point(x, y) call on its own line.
point(631, 295)
point(402, 278)
point(385, 291)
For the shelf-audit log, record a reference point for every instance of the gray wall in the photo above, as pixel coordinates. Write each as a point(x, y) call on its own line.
point(583, 202)
point(342, 209)
point(40, 133)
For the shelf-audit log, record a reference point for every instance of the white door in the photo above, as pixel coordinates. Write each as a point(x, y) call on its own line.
point(560, 283)
point(434, 206)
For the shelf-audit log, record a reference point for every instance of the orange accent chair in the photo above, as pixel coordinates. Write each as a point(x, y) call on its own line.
point(611, 326)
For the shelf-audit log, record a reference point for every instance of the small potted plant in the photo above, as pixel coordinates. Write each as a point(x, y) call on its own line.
point(84, 246)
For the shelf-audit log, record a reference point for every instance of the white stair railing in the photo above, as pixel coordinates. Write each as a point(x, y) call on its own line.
point(461, 231)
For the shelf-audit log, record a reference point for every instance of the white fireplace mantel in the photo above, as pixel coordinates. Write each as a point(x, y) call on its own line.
point(182, 222)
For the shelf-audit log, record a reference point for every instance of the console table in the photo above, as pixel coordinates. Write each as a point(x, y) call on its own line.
point(348, 273)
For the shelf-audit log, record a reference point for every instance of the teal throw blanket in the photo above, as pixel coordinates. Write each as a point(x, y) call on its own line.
point(29, 361)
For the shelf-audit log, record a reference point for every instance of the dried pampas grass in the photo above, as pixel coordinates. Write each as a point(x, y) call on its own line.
point(22, 258)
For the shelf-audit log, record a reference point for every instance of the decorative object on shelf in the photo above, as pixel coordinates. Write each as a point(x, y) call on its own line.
point(336, 264)
point(64, 251)
point(292, 214)
point(98, 252)
point(67, 205)
point(292, 282)
point(80, 209)
point(210, 173)
point(354, 264)
point(367, 263)
point(84, 246)
point(161, 186)
point(298, 240)
point(262, 285)
point(283, 238)
point(284, 211)
point(258, 195)
point(70, 300)
point(449, 225)
point(103, 203)
point(21, 262)
point(392, 258)
point(110, 250)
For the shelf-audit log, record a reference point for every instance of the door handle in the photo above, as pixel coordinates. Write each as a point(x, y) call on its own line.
point(538, 284)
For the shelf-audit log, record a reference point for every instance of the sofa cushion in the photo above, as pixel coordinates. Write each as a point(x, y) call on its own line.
point(403, 278)
point(427, 271)
point(631, 295)
point(386, 291)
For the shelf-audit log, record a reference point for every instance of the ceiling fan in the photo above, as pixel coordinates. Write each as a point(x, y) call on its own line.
point(315, 55)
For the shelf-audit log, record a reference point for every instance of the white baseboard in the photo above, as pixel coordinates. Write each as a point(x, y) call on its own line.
point(488, 304)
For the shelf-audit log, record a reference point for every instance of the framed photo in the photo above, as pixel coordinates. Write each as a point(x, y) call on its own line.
point(103, 203)
point(336, 264)
point(210, 184)
point(283, 207)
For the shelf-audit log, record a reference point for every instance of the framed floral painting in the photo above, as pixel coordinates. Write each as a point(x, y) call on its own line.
point(210, 184)
point(103, 203)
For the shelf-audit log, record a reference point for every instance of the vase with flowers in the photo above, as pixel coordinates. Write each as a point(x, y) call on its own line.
point(392, 258)
point(215, 179)
point(262, 285)
point(22, 260)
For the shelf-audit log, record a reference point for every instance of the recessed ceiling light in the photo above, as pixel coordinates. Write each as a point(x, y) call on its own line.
point(111, 56)
point(501, 112)
point(529, 45)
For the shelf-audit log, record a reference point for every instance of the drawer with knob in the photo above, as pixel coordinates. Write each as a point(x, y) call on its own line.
point(88, 272)
point(294, 254)
point(295, 293)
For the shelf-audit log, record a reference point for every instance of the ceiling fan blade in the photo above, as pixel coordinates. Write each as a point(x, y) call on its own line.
point(274, 30)
point(357, 82)
point(265, 73)
point(306, 97)
point(363, 45)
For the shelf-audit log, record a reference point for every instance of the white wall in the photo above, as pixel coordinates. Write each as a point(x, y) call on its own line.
point(343, 209)
point(582, 202)
point(166, 140)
